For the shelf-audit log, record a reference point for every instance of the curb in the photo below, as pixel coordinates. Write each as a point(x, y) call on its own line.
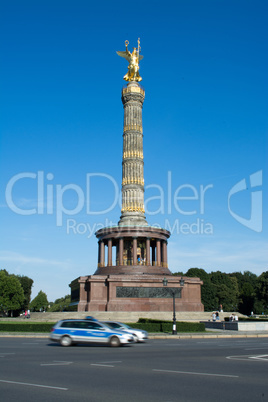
point(20, 335)
point(208, 336)
point(152, 336)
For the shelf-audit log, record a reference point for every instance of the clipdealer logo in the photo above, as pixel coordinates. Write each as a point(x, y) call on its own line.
point(251, 189)
point(50, 197)
point(185, 200)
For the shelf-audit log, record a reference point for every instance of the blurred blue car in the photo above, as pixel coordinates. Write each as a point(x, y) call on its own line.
point(70, 332)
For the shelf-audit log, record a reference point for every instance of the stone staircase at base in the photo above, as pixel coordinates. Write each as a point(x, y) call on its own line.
point(124, 316)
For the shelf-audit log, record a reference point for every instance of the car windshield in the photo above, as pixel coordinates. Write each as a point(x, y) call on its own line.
point(113, 325)
point(94, 325)
point(105, 325)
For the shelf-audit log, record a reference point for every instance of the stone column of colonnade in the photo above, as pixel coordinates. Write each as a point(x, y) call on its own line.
point(156, 252)
point(132, 212)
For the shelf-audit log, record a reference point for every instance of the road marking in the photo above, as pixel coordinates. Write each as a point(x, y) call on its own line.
point(203, 342)
point(115, 361)
point(260, 357)
point(33, 385)
point(248, 357)
point(193, 373)
point(101, 365)
point(56, 363)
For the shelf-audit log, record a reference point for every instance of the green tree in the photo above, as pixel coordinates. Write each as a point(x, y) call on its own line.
point(26, 284)
point(250, 277)
point(61, 304)
point(39, 302)
point(226, 287)
point(261, 304)
point(208, 290)
point(247, 298)
point(179, 273)
point(11, 292)
point(247, 291)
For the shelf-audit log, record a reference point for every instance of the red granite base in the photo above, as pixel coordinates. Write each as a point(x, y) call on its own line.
point(100, 293)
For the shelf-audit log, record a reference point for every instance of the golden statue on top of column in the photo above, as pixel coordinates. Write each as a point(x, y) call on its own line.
point(133, 59)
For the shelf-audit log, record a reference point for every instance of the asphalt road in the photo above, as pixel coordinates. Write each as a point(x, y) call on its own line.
point(159, 370)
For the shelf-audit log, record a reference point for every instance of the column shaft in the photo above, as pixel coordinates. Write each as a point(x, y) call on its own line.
point(134, 251)
point(132, 169)
point(99, 253)
point(164, 247)
point(102, 254)
point(121, 249)
point(148, 257)
point(158, 252)
point(110, 256)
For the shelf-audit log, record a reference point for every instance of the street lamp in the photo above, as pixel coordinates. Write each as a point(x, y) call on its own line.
point(165, 282)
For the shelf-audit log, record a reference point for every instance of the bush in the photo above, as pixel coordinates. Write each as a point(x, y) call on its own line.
point(184, 327)
point(149, 326)
point(26, 327)
point(166, 326)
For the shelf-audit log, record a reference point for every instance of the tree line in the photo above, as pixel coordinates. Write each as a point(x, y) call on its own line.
point(15, 297)
point(15, 293)
point(243, 292)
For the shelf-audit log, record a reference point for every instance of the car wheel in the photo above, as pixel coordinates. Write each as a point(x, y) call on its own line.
point(114, 341)
point(65, 341)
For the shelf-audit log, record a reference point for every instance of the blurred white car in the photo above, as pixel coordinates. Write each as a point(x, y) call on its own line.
point(139, 335)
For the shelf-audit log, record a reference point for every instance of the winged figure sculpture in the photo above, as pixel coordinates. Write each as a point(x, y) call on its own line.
point(133, 59)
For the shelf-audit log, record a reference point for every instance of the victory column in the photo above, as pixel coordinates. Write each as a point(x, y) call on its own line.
point(132, 165)
point(132, 278)
point(141, 246)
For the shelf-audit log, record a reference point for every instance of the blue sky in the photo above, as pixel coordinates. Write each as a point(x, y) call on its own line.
point(205, 131)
